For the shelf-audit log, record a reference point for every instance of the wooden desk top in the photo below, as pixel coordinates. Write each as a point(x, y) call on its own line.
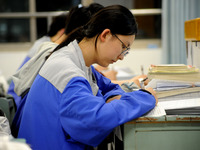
point(167, 119)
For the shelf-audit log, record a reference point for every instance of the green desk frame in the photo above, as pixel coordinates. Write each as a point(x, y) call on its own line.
point(163, 133)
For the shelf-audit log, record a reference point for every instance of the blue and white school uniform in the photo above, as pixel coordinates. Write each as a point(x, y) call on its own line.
point(30, 54)
point(66, 106)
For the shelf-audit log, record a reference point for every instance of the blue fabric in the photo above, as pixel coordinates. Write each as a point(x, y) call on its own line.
point(76, 119)
point(12, 86)
point(106, 87)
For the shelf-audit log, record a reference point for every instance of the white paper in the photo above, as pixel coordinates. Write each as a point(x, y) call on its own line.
point(196, 54)
point(189, 53)
point(179, 104)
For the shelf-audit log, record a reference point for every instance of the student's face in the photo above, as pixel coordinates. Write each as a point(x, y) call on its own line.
point(113, 47)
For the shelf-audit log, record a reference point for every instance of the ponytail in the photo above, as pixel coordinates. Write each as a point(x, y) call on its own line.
point(77, 34)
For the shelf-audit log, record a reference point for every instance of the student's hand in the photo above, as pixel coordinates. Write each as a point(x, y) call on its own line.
point(110, 74)
point(153, 93)
point(113, 98)
point(136, 80)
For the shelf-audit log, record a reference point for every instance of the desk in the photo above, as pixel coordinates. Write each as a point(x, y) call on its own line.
point(163, 133)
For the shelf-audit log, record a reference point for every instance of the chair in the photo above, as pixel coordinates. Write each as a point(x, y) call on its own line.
point(7, 105)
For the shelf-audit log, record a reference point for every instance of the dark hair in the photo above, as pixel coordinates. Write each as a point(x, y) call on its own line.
point(117, 18)
point(79, 16)
point(58, 23)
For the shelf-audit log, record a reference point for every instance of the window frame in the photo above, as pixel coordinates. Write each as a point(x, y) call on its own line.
point(33, 15)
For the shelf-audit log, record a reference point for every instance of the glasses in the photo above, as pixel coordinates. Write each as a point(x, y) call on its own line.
point(126, 51)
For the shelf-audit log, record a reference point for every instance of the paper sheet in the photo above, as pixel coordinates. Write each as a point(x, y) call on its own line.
point(179, 104)
point(165, 85)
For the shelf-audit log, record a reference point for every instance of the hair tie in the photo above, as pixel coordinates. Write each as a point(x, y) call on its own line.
point(80, 5)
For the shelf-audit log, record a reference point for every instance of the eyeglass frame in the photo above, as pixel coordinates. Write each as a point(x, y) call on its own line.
point(126, 51)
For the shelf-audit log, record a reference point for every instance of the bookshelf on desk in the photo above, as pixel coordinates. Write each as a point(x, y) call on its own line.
point(163, 133)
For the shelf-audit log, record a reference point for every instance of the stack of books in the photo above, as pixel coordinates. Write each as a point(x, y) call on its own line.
point(177, 87)
point(178, 72)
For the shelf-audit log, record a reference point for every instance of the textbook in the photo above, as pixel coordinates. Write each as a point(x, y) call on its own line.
point(178, 72)
point(172, 68)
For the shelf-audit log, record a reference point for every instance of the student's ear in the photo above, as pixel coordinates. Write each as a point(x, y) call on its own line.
point(105, 34)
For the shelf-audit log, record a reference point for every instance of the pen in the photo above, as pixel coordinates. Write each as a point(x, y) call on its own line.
point(142, 82)
point(142, 69)
point(144, 79)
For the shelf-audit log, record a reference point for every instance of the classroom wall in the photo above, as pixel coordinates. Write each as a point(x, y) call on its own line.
point(11, 56)
point(141, 57)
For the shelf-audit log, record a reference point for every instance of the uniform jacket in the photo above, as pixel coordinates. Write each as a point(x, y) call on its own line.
point(30, 54)
point(66, 106)
point(24, 77)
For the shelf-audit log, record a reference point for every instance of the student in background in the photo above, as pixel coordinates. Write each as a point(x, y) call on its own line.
point(23, 79)
point(112, 75)
point(56, 30)
point(3, 85)
point(72, 106)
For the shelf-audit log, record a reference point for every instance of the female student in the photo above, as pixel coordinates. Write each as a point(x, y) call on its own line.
point(72, 106)
point(56, 31)
point(25, 76)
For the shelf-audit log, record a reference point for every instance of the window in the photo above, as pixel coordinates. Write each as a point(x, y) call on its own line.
point(149, 23)
point(14, 6)
point(22, 22)
point(148, 16)
point(14, 30)
point(28, 20)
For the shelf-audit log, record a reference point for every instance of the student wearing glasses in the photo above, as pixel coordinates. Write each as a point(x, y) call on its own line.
point(112, 74)
point(70, 105)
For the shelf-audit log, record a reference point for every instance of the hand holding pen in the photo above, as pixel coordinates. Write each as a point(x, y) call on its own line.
point(142, 82)
point(142, 85)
